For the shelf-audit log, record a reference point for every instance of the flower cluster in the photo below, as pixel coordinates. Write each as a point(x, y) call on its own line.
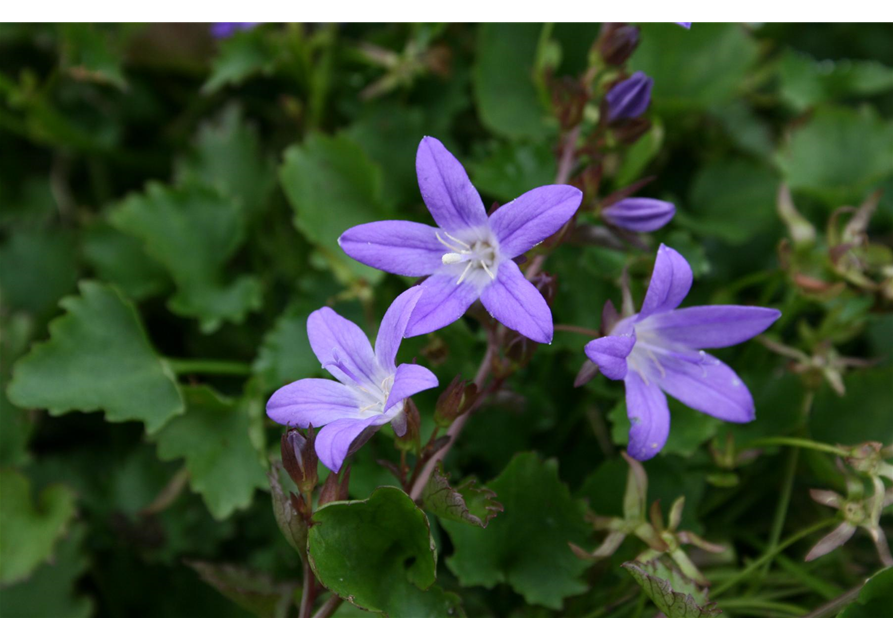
point(470, 256)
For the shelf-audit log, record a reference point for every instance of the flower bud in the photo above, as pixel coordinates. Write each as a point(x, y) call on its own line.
point(410, 439)
point(456, 399)
point(299, 458)
point(334, 489)
point(631, 130)
point(629, 98)
point(639, 214)
point(617, 42)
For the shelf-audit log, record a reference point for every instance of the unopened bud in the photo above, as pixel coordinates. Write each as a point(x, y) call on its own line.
point(300, 459)
point(632, 130)
point(616, 42)
point(456, 399)
point(334, 489)
point(410, 439)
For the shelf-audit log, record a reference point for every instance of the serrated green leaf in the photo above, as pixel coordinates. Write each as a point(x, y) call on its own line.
point(214, 436)
point(285, 354)
point(506, 97)
point(466, 503)
point(527, 545)
point(243, 55)
point(15, 424)
point(193, 231)
point(675, 595)
point(332, 185)
point(30, 531)
point(839, 154)
point(227, 156)
point(806, 82)
point(50, 591)
point(120, 259)
point(875, 599)
point(253, 591)
point(89, 56)
point(97, 358)
point(378, 554)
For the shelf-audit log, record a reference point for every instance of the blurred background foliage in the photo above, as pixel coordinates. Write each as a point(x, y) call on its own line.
point(180, 197)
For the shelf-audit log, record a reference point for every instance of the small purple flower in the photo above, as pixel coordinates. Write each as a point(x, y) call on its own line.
point(639, 214)
point(629, 98)
point(660, 350)
point(684, 25)
point(370, 390)
point(222, 30)
point(468, 255)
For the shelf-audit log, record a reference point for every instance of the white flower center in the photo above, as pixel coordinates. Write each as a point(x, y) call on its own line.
point(480, 256)
point(373, 400)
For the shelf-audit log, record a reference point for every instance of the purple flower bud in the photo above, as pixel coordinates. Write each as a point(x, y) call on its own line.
point(629, 98)
point(299, 458)
point(617, 42)
point(639, 214)
point(222, 30)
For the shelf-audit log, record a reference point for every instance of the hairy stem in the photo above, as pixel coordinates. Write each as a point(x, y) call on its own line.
point(308, 593)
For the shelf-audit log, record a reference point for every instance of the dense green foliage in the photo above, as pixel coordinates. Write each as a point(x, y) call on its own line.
point(169, 213)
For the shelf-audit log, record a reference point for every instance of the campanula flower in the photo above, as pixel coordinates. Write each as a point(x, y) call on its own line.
point(660, 351)
point(370, 389)
point(629, 98)
point(639, 214)
point(684, 25)
point(467, 256)
point(226, 29)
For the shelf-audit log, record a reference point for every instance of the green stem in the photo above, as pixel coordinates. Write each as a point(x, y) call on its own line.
point(209, 367)
point(766, 557)
point(803, 443)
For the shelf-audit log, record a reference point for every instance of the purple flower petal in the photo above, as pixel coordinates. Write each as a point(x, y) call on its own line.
point(409, 380)
point(341, 347)
point(448, 193)
point(443, 302)
point(630, 98)
point(333, 442)
point(711, 327)
point(684, 25)
point(670, 283)
point(640, 214)
point(610, 353)
point(708, 386)
point(226, 29)
point(393, 326)
point(517, 304)
point(396, 246)
point(533, 217)
point(649, 417)
point(312, 401)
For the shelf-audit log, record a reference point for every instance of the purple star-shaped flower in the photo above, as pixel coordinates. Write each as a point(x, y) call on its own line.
point(467, 255)
point(370, 390)
point(659, 350)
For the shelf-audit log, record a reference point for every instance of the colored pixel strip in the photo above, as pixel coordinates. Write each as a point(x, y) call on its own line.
point(477, 621)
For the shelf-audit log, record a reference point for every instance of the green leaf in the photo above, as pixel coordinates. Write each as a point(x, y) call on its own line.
point(15, 424)
point(97, 358)
point(378, 554)
point(514, 168)
point(87, 55)
point(675, 595)
point(875, 599)
point(228, 157)
point(253, 591)
point(734, 200)
point(861, 415)
point(527, 546)
point(214, 436)
point(332, 185)
point(506, 96)
point(689, 429)
point(839, 154)
point(707, 66)
point(466, 503)
point(121, 260)
point(193, 231)
point(639, 155)
point(806, 82)
point(285, 354)
point(242, 55)
point(36, 269)
point(30, 531)
point(50, 591)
